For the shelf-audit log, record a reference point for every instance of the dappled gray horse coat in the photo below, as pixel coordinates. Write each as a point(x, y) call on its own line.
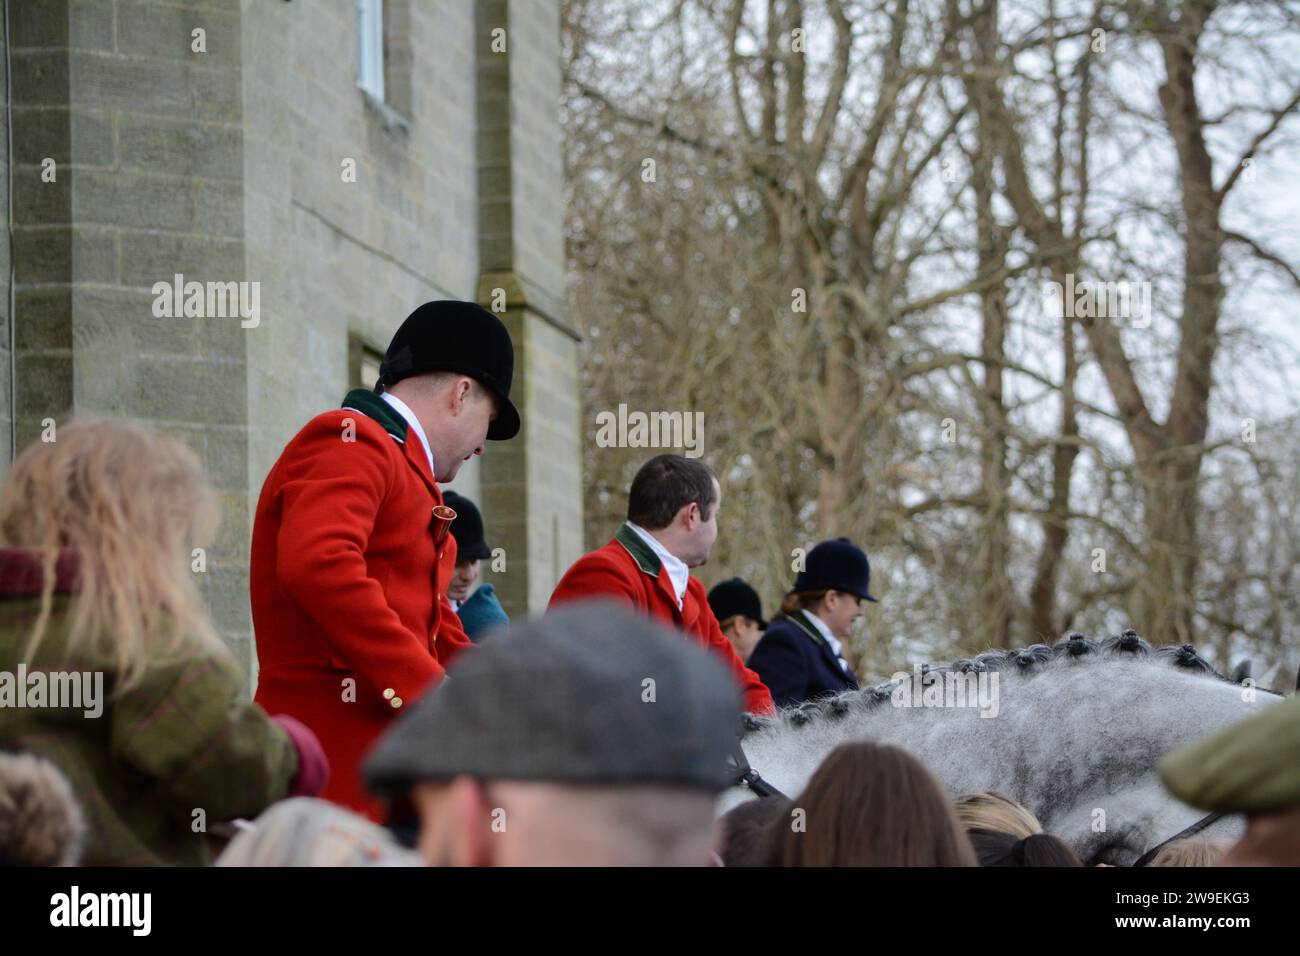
point(1075, 733)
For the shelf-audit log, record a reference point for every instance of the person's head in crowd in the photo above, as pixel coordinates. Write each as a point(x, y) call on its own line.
point(1248, 768)
point(451, 363)
point(870, 804)
point(677, 500)
point(471, 545)
point(996, 811)
point(130, 504)
point(998, 848)
point(40, 822)
point(1193, 851)
point(98, 530)
point(305, 831)
point(588, 737)
point(744, 830)
point(739, 611)
point(834, 585)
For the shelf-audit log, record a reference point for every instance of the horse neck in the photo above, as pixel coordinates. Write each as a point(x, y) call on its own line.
point(1067, 734)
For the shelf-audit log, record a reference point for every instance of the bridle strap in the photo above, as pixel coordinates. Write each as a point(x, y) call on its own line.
point(1204, 823)
point(747, 776)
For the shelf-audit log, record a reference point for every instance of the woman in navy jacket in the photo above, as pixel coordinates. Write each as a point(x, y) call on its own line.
point(800, 656)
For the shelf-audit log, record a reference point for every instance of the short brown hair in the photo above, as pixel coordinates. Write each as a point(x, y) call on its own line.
point(664, 485)
point(871, 804)
point(745, 829)
point(802, 600)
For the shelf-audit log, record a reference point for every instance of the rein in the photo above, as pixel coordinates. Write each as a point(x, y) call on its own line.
point(1202, 824)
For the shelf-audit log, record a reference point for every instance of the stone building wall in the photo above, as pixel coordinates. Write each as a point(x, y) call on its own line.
point(233, 165)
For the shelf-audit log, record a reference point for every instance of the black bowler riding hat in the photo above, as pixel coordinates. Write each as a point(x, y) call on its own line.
point(838, 565)
point(467, 529)
point(463, 337)
point(733, 597)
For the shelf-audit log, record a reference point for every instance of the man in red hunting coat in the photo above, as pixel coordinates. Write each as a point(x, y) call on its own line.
point(672, 522)
point(349, 566)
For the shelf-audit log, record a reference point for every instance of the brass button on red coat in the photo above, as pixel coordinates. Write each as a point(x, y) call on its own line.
point(396, 702)
point(389, 693)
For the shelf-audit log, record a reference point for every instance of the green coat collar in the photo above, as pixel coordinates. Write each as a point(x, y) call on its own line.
point(372, 406)
point(641, 552)
point(800, 620)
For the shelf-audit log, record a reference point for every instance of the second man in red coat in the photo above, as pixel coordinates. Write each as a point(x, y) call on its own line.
point(672, 522)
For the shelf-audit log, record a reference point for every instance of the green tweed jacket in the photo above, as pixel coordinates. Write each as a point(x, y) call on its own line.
point(159, 764)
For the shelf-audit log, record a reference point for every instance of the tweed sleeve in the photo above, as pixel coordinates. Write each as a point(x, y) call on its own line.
point(452, 634)
point(189, 727)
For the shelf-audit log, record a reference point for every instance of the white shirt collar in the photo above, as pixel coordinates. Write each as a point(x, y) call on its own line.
point(678, 572)
point(831, 639)
point(405, 411)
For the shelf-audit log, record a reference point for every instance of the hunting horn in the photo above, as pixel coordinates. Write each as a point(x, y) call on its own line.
point(442, 519)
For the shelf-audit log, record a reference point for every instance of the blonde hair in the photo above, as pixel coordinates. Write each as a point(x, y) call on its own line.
point(1198, 851)
point(996, 811)
point(131, 503)
point(304, 831)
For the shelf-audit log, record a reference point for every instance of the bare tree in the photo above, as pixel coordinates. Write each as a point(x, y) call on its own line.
point(826, 225)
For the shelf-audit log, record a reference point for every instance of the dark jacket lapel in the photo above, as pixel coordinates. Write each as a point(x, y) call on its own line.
point(800, 620)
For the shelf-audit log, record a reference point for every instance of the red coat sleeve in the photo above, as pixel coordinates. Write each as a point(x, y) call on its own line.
point(328, 508)
point(758, 699)
point(452, 638)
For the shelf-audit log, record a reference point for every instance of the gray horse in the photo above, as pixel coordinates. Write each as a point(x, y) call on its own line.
point(1074, 732)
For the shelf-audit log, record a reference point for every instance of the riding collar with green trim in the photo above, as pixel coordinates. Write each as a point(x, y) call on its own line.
point(800, 620)
point(372, 406)
point(641, 552)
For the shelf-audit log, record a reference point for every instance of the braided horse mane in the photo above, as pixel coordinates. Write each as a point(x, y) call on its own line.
point(1071, 651)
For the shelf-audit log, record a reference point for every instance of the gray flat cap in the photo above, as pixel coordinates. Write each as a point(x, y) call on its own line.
point(589, 693)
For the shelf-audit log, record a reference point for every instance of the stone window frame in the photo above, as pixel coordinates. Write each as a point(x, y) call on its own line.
point(363, 361)
point(370, 48)
point(385, 59)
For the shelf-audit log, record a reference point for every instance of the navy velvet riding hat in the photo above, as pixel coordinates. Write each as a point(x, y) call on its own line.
point(838, 565)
